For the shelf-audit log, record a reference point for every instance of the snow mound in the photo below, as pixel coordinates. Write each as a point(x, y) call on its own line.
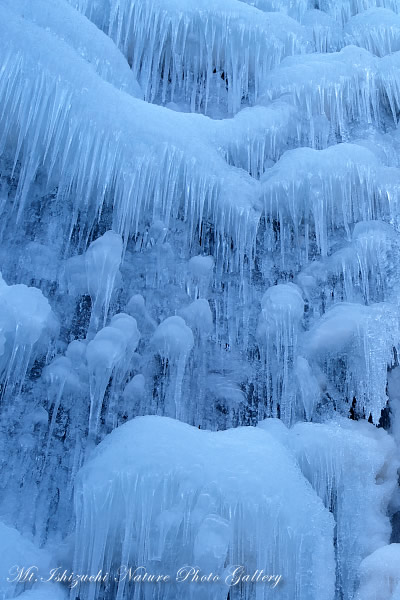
point(379, 575)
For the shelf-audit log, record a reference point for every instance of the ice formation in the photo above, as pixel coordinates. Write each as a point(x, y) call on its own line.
point(189, 42)
point(365, 339)
point(347, 487)
point(376, 30)
point(215, 498)
point(199, 231)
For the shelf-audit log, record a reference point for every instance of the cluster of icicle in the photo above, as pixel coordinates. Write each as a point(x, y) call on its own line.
point(200, 221)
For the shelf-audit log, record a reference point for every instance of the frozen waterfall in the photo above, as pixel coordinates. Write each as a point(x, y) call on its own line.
point(199, 299)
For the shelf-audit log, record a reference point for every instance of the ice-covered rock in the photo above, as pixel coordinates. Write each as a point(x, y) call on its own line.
point(27, 324)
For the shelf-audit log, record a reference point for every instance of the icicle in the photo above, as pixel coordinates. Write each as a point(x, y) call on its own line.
point(173, 341)
point(108, 355)
point(277, 333)
point(102, 261)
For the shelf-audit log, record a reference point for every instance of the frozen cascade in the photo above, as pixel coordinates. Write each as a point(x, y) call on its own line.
point(353, 468)
point(313, 193)
point(109, 354)
point(173, 341)
point(365, 270)
point(199, 230)
point(102, 261)
point(265, 511)
point(189, 41)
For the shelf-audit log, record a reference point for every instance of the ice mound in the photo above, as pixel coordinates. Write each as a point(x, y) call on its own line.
point(314, 192)
point(217, 499)
point(343, 86)
point(353, 468)
point(379, 575)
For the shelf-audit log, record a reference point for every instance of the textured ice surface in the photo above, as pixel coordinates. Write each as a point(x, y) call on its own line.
point(282, 309)
point(365, 339)
point(88, 130)
point(17, 552)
